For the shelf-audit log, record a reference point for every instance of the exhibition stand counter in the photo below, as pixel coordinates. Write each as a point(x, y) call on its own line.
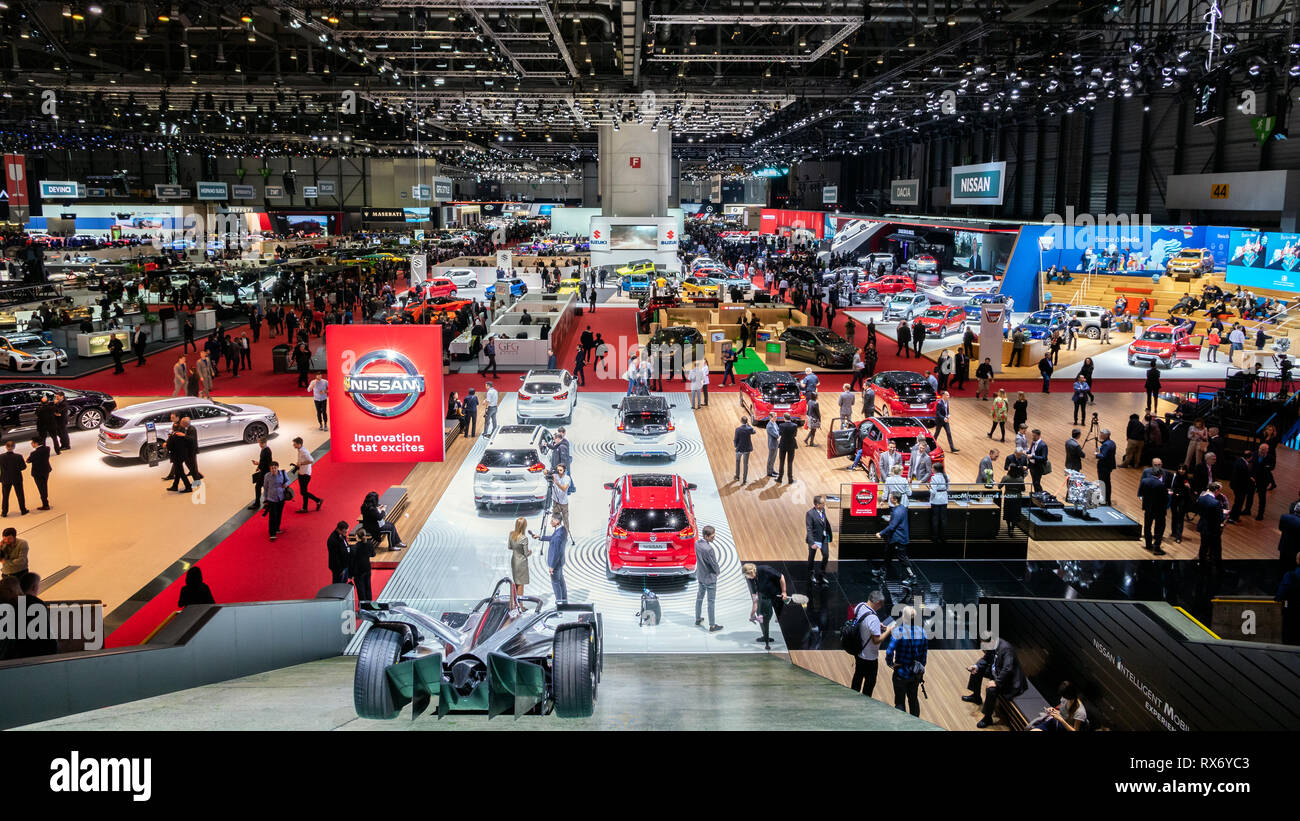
point(976, 524)
point(519, 346)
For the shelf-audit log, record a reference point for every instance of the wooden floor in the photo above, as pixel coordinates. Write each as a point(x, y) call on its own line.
point(424, 487)
point(767, 520)
point(945, 684)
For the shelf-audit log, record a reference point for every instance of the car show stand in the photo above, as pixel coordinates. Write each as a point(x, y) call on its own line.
point(1102, 524)
point(975, 527)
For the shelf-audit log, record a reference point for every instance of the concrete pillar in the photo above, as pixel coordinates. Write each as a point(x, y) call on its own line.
point(590, 185)
point(635, 171)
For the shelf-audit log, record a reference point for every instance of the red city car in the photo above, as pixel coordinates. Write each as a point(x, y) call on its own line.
point(651, 528)
point(772, 392)
point(942, 320)
point(1165, 345)
point(904, 393)
point(439, 286)
point(888, 284)
point(873, 435)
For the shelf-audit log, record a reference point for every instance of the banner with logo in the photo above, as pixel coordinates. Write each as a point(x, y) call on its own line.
point(243, 192)
point(442, 189)
point(385, 396)
point(419, 269)
point(505, 260)
point(273, 192)
point(16, 180)
point(993, 318)
point(668, 238)
point(830, 194)
point(599, 235)
point(978, 184)
point(58, 190)
point(167, 192)
point(327, 188)
point(863, 501)
point(213, 190)
point(905, 192)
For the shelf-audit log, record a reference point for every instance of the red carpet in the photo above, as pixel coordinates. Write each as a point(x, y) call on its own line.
point(246, 566)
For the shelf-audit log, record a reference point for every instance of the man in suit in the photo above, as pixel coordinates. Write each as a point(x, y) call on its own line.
point(1037, 452)
point(39, 459)
point(896, 535)
point(920, 466)
point(985, 472)
point(1001, 664)
point(1045, 370)
point(817, 535)
point(45, 422)
point(743, 442)
point(1153, 490)
point(336, 547)
point(192, 454)
point(61, 421)
point(1205, 473)
point(869, 401)
point(789, 443)
point(773, 431)
point(1263, 476)
point(1210, 525)
point(12, 466)
point(138, 342)
point(556, 542)
point(470, 407)
point(261, 467)
point(846, 400)
point(706, 573)
point(178, 448)
point(1243, 486)
point(941, 415)
point(1074, 451)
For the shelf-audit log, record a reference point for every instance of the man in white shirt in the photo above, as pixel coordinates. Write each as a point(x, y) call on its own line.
point(490, 401)
point(704, 380)
point(1238, 341)
point(319, 388)
point(303, 465)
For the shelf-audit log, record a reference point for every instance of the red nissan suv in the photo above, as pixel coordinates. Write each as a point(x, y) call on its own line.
point(651, 528)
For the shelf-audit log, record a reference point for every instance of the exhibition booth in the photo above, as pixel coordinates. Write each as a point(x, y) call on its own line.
point(720, 326)
point(520, 346)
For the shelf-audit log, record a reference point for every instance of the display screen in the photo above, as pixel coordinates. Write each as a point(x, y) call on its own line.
point(307, 225)
point(416, 214)
point(633, 237)
point(774, 347)
point(98, 343)
point(1264, 260)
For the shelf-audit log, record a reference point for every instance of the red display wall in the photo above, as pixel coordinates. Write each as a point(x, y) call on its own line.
point(772, 220)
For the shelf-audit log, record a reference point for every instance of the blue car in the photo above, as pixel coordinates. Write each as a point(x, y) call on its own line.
point(632, 284)
point(973, 305)
point(517, 288)
point(1040, 324)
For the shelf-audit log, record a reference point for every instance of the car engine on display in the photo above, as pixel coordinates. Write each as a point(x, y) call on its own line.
point(537, 660)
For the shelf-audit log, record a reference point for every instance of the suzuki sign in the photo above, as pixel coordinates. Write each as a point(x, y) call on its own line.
point(386, 393)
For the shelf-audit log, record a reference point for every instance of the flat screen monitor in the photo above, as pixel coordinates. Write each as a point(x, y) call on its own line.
point(633, 237)
point(773, 347)
point(1259, 259)
point(763, 336)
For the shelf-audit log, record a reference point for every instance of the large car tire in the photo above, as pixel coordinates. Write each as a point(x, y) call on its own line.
point(822, 360)
point(872, 293)
point(871, 472)
point(473, 283)
point(1092, 333)
point(370, 694)
point(573, 672)
point(958, 291)
point(13, 364)
point(90, 418)
point(254, 432)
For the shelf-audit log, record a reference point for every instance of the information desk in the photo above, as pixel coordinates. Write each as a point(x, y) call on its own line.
point(976, 526)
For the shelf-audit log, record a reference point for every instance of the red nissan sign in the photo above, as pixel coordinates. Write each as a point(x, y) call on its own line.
point(863, 502)
point(16, 179)
point(385, 393)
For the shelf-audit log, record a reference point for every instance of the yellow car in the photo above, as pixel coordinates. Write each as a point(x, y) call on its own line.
point(568, 286)
point(699, 286)
point(637, 266)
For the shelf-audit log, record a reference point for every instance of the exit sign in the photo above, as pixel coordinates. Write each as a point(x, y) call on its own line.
point(634, 162)
point(1219, 191)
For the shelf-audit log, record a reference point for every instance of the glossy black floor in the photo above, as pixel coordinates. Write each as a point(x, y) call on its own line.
point(1181, 583)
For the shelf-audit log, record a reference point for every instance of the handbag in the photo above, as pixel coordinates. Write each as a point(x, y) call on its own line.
point(1047, 466)
point(288, 491)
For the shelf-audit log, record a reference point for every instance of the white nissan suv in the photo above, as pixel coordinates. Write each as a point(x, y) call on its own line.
point(511, 471)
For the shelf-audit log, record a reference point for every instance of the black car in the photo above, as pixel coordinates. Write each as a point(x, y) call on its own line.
point(684, 339)
point(821, 345)
point(18, 401)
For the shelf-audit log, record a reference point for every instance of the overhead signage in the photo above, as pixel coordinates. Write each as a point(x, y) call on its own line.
point(905, 192)
point(242, 192)
point(419, 234)
point(830, 194)
point(633, 162)
point(167, 192)
point(387, 405)
point(213, 191)
point(772, 171)
point(863, 500)
point(978, 184)
point(383, 215)
point(668, 238)
point(421, 192)
point(327, 188)
point(310, 192)
point(419, 268)
point(58, 190)
point(442, 189)
point(505, 261)
point(273, 192)
point(1234, 191)
point(97, 193)
point(599, 240)
point(16, 180)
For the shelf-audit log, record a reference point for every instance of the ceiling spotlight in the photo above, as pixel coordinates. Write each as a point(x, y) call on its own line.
point(692, 38)
point(295, 23)
point(911, 42)
point(67, 10)
point(246, 16)
point(952, 20)
point(1254, 69)
point(1229, 47)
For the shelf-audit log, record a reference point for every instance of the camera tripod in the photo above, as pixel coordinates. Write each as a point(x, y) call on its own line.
point(1091, 435)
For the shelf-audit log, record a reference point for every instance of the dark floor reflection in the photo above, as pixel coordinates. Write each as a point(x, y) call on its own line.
point(1181, 583)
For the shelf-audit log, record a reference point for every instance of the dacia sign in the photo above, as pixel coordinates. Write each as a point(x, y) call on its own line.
point(978, 184)
point(905, 192)
point(213, 191)
point(58, 190)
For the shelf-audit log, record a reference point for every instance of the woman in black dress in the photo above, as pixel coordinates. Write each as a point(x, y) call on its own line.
point(1086, 370)
point(1020, 410)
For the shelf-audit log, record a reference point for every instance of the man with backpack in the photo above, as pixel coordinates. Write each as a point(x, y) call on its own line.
point(862, 637)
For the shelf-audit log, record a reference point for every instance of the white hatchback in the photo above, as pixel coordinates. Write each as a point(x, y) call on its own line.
point(546, 394)
point(461, 277)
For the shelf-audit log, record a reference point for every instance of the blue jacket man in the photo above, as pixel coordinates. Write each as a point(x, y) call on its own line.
point(896, 534)
point(470, 407)
point(555, 557)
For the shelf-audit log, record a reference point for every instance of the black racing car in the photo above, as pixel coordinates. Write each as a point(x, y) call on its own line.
point(821, 345)
point(18, 400)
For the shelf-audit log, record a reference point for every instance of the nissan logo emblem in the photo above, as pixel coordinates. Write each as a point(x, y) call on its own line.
point(362, 385)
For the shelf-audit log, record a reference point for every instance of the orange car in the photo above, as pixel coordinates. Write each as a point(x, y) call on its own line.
point(434, 307)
